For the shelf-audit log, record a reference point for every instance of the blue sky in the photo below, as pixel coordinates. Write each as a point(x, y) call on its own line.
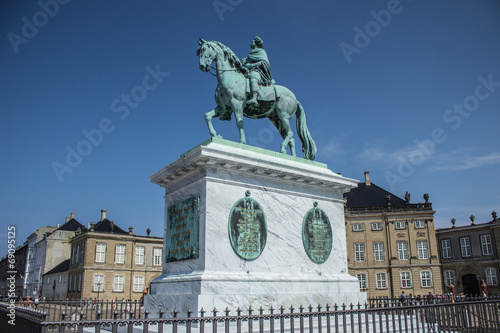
point(409, 90)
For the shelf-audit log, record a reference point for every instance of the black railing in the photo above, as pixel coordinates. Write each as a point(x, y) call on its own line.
point(73, 310)
point(478, 315)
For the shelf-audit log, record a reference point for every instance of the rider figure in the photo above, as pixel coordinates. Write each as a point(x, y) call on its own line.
point(259, 69)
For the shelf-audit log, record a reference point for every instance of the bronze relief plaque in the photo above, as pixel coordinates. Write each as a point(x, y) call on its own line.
point(317, 235)
point(183, 223)
point(247, 228)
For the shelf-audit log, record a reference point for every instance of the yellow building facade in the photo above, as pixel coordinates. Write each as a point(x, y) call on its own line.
point(109, 263)
point(391, 243)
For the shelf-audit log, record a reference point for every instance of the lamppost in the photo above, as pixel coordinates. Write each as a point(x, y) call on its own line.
point(99, 284)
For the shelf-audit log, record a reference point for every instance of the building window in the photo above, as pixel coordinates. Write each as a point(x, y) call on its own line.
point(73, 255)
point(425, 279)
point(362, 280)
point(423, 252)
point(120, 253)
point(139, 255)
point(405, 279)
point(82, 252)
point(449, 277)
point(80, 282)
point(118, 285)
point(381, 280)
point(157, 254)
point(75, 281)
point(377, 226)
point(378, 251)
point(402, 250)
point(77, 258)
point(465, 246)
point(446, 248)
point(359, 252)
point(419, 224)
point(69, 283)
point(100, 252)
point(138, 283)
point(486, 245)
point(99, 282)
point(491, 276)
point(357, 227)
point(400, 224)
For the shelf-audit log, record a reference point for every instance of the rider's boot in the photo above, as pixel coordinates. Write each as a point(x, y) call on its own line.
point(253, 100)
point(254, 85)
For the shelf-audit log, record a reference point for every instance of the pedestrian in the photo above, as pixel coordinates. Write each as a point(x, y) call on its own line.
point(402, 298)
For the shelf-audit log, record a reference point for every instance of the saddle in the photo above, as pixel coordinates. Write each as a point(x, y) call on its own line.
point(268, 97)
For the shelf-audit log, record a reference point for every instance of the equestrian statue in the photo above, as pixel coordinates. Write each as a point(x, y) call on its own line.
point(246, 88)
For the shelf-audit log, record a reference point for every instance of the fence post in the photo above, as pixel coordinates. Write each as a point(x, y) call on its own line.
point(226, 320)
point(238, 319)
point(271, 319)
point(202, 321)
point(320, 317)
point(250, 320)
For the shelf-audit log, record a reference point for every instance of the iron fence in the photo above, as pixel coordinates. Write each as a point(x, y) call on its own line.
point(471, 315)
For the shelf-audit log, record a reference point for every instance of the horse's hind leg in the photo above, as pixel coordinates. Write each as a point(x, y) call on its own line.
point(287, 135)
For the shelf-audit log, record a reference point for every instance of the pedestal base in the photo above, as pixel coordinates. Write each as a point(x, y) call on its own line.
point(285, 271)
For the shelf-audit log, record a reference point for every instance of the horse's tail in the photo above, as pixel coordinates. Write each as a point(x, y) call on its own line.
point(304, 135)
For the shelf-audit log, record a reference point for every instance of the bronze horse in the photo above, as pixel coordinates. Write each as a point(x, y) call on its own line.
point(230, 97)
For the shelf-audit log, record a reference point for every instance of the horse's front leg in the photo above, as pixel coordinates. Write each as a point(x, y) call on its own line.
point(208, 118)
point(238, 115)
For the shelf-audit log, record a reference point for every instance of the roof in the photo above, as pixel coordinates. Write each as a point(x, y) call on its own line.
point(371, 195)
point(469, 226)
point(62, 267)
point(108, 226)
point(71, 225)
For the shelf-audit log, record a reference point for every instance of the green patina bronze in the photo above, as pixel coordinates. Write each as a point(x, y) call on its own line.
point(317, 235)
point(247, 228)
point(246, 89)
point(182, 236)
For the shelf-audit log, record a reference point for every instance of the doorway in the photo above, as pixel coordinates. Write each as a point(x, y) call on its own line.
point(471, 285)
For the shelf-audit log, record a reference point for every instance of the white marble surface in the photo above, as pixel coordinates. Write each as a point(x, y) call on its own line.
point(283, 273)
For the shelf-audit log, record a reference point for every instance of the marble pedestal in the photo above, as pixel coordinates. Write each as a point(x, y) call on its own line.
point(220, 172)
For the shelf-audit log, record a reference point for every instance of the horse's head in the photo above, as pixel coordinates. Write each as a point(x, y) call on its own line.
point(207, 54)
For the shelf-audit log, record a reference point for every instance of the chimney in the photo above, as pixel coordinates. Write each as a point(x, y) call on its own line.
point(367, 178)
point(72, 215)
point(103, 214)
point(67, 219)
